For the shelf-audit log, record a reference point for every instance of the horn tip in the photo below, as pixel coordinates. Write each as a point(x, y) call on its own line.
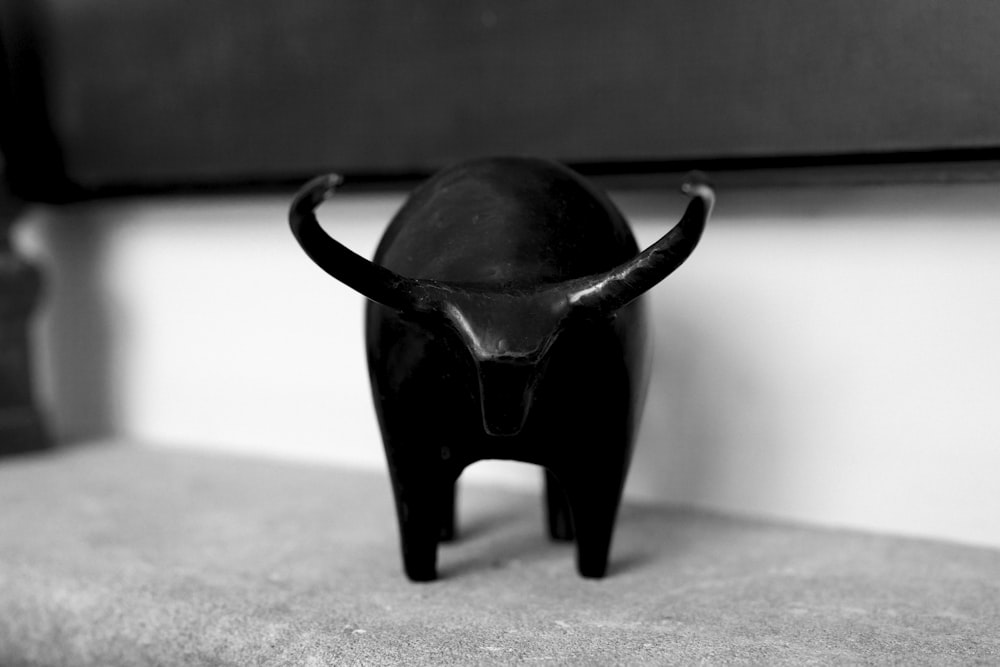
point(326, 184)
point(696, 184)
point(316, 191)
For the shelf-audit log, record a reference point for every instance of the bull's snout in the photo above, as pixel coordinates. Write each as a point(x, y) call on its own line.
point(506, 390)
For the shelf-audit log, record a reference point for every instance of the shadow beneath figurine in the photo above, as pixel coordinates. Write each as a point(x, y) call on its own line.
point(497, 532)
point(522, 552)
point(482, 524)
point(533, 549)
point(516, 536)
point(648, 534)
point(632, 561)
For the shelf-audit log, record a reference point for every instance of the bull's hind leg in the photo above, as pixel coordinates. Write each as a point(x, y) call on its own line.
point(446, 511)
point(557, 509)
point(594, 493)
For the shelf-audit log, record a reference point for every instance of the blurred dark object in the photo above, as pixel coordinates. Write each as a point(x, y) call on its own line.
point(20, 423)
point(114, 94)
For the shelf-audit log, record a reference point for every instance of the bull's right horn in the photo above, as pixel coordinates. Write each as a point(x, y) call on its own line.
point(373, 281)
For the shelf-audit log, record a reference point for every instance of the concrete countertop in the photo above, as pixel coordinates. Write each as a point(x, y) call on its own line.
point(116, 554)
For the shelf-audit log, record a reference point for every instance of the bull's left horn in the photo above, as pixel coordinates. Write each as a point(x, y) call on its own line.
point(613, 289)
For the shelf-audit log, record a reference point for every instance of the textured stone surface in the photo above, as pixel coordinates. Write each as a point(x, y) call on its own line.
point(123, 555)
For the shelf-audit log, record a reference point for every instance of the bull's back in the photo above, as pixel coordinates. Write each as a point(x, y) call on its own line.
point(506, 222)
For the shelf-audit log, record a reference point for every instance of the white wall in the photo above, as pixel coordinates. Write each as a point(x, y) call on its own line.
point(828, 355)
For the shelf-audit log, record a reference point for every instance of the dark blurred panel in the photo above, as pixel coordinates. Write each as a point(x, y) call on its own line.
point(167, 91)
point(32, 157)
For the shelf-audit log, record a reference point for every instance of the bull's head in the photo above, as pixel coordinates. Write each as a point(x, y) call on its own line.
point(508, 332)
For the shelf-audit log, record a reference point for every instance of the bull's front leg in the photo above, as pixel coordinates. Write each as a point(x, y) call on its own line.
point(593, 488)
point(424, 491)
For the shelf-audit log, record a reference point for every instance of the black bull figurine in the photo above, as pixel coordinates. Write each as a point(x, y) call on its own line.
point(505, 322)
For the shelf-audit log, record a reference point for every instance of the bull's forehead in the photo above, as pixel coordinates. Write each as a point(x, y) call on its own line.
point(498, 222)
point(508, 326)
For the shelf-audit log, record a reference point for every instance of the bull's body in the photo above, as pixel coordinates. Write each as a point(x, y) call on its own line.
point(513, 328)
